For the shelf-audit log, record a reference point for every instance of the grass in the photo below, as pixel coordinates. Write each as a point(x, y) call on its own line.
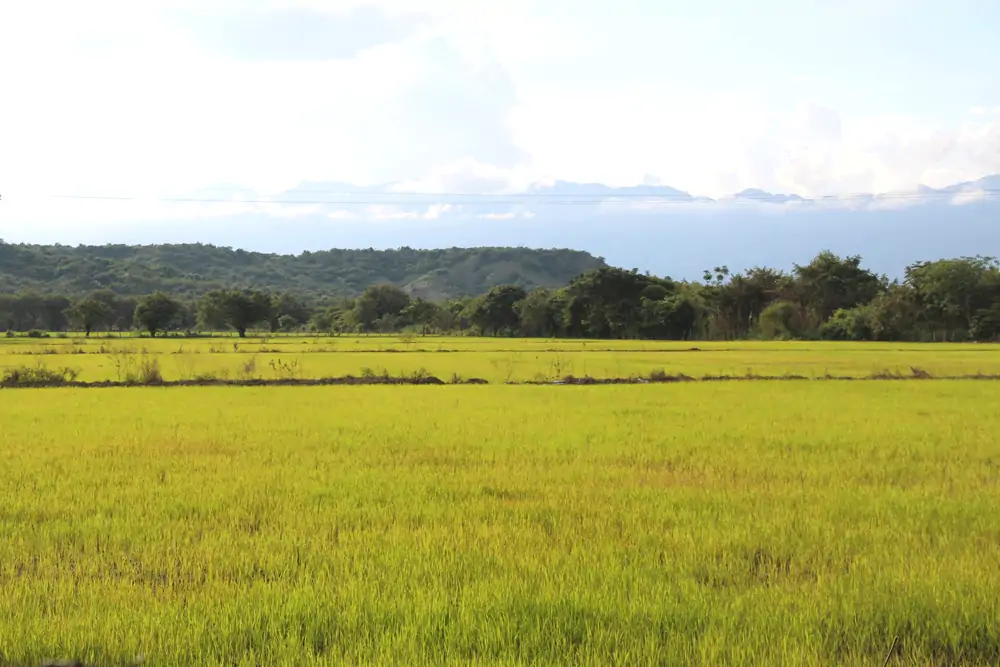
point(496, 360)
point(737, 523)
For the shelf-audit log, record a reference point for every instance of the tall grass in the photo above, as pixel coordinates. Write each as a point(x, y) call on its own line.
point(745, 524)
point(496, 360)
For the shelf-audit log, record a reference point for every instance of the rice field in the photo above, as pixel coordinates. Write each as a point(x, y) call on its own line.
point(496, 360)
point(753, 523)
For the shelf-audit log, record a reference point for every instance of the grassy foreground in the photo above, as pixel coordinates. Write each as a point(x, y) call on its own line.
point(751, 524)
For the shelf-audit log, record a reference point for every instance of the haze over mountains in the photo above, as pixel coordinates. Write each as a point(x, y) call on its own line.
point(650, 227)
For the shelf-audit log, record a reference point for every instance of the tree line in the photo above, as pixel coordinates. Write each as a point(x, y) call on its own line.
point(831, 297)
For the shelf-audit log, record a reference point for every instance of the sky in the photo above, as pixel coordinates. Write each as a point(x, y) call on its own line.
point(158, 99)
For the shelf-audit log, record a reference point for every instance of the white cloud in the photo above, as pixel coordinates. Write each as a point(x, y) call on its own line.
point(469, 176)
point(716, 145)
point(155, 112)
point(140, 105)
point(391, 212)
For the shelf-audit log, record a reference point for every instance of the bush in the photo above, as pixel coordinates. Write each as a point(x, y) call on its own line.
point(986, 326)
point(10, 334)
point(132, 368)
point(848, 324)
point(149, 371)
point(37, 376)
point(37, 333)
point(779, 321)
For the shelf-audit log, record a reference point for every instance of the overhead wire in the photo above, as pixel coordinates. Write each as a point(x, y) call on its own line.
point(521, 198)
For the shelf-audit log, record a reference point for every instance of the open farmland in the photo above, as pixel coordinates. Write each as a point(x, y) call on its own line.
point(755, 523)
point(496, 360)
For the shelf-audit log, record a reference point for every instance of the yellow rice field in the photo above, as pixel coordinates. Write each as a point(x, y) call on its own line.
point(750, 523)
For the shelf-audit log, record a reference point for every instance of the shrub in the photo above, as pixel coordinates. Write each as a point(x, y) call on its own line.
point(848, 324)
point(37, 376)
point(149, 371)
point(779, 321)
point(37, 333)
point(659, 375)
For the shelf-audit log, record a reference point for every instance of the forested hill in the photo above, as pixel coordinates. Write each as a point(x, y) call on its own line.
point(193, 269)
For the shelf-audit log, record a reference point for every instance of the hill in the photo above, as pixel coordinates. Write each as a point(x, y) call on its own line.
point(192, 269)
point(659, 229)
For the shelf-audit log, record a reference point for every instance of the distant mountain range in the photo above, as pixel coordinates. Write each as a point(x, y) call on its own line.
point(650, 227)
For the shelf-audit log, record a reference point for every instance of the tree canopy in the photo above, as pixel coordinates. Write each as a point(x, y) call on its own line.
point(191, 270)
point(831, 297)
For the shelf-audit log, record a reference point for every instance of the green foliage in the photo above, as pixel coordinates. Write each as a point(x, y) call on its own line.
point(293, 308)
point(428, 316)
point(607, 302)
point(830, 297)
point(287, 323)
point(379, 307)
point(157, 312)
point(830, 283)
point(952, 292)
point(37, 376)
point(848, 324)
point(237, 309)
point(781, 320)
point(90, 312)
point(189, 271)
point(540, 313)
point(496, 312)
point(671, 317)
point(986, 323)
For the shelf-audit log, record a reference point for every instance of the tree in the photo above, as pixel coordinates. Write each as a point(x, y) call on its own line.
point(952, 291)
point(736, 305)
point(674, 317)
point(496, 311)
point(607, 303)
point(894, 314)
point(540, 313)
point(288, 306)
point(237, 309)
point(830, 283)
point(379, 306)
point(157, 312)
point(90, 313)
point(986, 324)
point(427, 315)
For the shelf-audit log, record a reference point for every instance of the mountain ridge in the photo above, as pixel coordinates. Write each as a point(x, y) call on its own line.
point(654, 228)
point(195, 268)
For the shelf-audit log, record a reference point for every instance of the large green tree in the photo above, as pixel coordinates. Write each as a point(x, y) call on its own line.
point(290, 310)
point(379, 306)
point(238, 309)
point(951, 292)
point(89, 313)
point(496, 312)
point(157, 312)
point(541, 313)
point(607, 303)
point(830, 283)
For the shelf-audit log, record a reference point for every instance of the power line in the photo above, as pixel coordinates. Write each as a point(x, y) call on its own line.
point(616, 193)
point(543, 199)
